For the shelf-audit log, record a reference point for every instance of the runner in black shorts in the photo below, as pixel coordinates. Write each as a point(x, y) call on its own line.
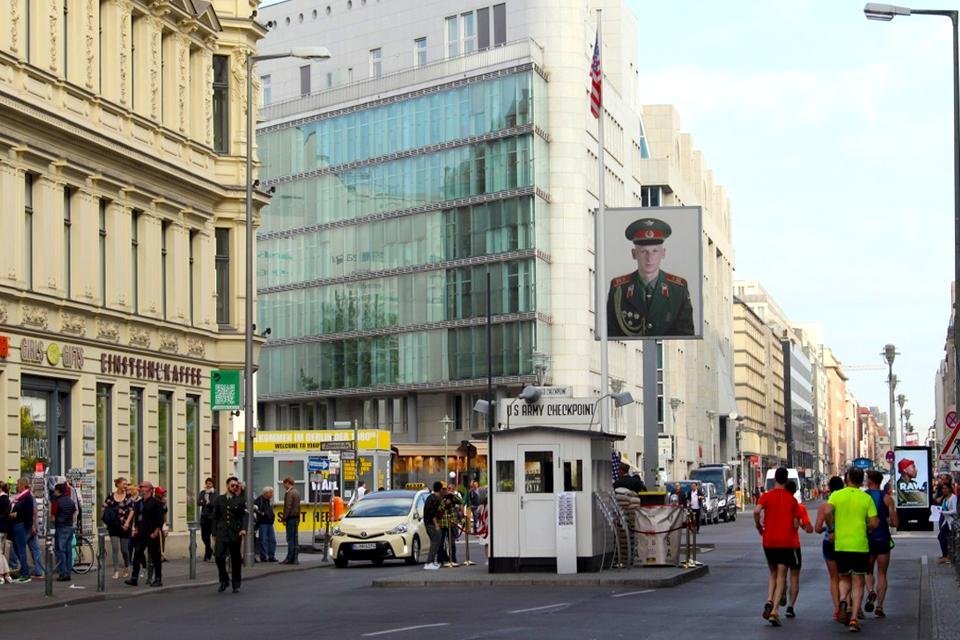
point(851, 563)
point(787, 556)
point(822, 526)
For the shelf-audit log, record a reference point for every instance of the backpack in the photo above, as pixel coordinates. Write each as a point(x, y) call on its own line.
point(430, 508)
point(111, 517)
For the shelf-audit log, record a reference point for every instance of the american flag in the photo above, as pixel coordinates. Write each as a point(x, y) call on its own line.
point(615, 467)
point(596, 80)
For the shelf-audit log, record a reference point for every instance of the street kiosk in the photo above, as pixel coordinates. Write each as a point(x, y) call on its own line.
point(548, 464)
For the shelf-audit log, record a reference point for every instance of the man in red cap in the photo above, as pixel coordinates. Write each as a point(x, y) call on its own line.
point(909, 492)
point(649, 301)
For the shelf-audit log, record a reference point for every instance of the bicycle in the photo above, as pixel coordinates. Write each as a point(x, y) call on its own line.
point(84, 558)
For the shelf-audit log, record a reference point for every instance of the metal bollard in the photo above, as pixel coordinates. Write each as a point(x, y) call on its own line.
point(693, 530)
point(101, 559)
point(192, 528)
point(326, 540)
point(48, 561)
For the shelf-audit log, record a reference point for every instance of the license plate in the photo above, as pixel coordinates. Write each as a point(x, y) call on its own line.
point(364, 545)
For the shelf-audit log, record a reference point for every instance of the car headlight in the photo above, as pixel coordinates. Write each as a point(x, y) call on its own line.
point(400, 528)
point(337, 531)
point(723, 502)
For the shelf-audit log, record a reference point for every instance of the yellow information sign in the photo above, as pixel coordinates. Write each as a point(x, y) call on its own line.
point(369, 439)
point(312, 516)
point(349, 468)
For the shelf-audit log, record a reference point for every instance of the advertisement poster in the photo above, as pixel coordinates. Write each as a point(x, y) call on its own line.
point(654, 272)
point(912, 473)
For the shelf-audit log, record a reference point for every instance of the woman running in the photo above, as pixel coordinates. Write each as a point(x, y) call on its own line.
point(835, 484)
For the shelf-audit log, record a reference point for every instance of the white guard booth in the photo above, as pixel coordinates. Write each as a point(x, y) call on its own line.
point(541, 470)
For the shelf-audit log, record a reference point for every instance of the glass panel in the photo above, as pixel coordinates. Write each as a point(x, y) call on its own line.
point(193, 467)
point(104, 439)
point(573, 475)
point(538, 471)
point(164, 448)
point(505, 476)
point(136, 434)
point(263, 475)
point(34, 443)
point(295, 469)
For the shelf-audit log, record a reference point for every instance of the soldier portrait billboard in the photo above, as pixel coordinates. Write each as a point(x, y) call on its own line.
point(911, 472)
point(654, 270)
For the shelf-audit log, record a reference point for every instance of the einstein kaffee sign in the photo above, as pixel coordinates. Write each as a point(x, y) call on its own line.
point(548, 412)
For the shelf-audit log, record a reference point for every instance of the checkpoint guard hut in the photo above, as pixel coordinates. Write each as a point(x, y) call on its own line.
point(550, 459)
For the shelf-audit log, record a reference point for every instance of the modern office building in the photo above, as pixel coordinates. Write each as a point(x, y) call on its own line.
point(443, 143)
point(121, 164)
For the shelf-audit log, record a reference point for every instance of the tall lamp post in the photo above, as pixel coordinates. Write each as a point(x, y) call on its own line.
point(901, 400)
point(446, 422)
point(889, 353)
point(309, 53)
point(887, 12)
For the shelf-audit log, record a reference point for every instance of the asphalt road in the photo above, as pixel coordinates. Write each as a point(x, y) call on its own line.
point(339, 603)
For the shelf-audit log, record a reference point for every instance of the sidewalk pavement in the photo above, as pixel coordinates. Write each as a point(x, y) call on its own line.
point(477, 576)
point(83, 588)
point(938, 600)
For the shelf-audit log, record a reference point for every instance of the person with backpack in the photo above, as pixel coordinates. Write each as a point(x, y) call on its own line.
point(431, 520)
point(117, 509)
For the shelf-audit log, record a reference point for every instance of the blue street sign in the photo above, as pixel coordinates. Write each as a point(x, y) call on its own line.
point(863, 463)
point(317, 463)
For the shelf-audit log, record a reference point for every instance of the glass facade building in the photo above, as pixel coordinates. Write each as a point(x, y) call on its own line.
point(374, 253)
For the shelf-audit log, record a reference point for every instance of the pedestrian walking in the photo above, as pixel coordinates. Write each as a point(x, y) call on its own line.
point(359, 493)
point(291, 520)
point(794, 572)
point(4, 532)
point(851, 513)
point(147, 527)
point(62, 511)
point(264, 519)
point(23, 519)
point(230, 528)
point(696, 500)
point(881, 543)
point(205, 502)
point(774, 518)
point(474, 499)
point(829, 556)
point(431, 520)
point(450, 518)
point(338, 506)
point(948, 513)
point(115, 515)
point(756, 495)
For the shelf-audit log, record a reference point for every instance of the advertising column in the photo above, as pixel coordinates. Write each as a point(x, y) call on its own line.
point(911, 488)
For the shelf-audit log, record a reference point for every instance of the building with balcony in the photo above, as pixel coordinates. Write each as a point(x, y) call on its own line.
point(121, 164)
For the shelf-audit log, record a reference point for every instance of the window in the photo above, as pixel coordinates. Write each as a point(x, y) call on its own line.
point(505, 476)
point(329, 79)
point(499, 24)
point(573, 475)
point(135, 260)
point(192, 275)
point(165, 445)
point(221, 103)
point(136, 434)
point(266, 90)
point(538, 471)
point(453, 37)
point(164, 232)
point(67, 245)
point(193, 446)
point(305, 80)
point(103, 252)
point(650, 196)
point(376, 63)
point(469, 32)
point(483, 28)
point(419, 52)
point(104, 441)
point(28, 228)
point(222, 263)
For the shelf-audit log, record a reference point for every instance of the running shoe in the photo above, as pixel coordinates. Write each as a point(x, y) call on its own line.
point(843, 617)
point(791, 613)
point(23, 579)
point(879, 613)
point(767, 610)
point(861, 616)
point(836, 614)
point(774, 620)
point(783, 599)
point(854, 626)
point(871, 598)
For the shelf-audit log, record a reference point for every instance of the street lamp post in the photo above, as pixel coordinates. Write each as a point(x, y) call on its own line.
point(446, 422)
point(902, 400)
point(889, 353)
point(310, 53)
point(886, 12)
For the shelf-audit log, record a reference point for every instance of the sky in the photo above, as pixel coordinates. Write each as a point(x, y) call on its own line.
point(832, 136)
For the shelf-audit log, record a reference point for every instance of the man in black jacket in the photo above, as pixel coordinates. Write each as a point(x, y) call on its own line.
point(230, 528)
point(147, 528)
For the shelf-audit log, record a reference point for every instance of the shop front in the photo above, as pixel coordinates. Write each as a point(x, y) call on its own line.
point(417, 463)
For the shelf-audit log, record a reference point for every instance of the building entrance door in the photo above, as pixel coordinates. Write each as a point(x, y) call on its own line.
point(44, 425)
point(538, 537)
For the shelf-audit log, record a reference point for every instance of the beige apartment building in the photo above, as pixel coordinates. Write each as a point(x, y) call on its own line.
point(759, 380)
point(121, 288)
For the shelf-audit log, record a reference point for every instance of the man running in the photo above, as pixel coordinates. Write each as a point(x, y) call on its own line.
point(801, 523)
point(851, 515)
point(829, 556)
point(880, 544)
point(778, 509)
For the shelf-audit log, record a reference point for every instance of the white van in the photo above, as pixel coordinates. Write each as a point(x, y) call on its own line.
point(791, 475)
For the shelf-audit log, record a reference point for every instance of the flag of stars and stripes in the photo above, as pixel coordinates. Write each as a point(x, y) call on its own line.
point(596, 80)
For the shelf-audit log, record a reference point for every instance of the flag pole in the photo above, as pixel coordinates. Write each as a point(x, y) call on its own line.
point(601, 284)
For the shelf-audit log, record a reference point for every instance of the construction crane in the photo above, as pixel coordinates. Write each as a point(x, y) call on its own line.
point(863, 367)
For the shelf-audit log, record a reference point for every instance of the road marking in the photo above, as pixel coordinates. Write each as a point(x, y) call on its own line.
point(398, 630)
point(632, 593)
point(549, 606)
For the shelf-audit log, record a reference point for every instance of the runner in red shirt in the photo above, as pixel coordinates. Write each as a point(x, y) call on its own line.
point(775, 517)
point(802, 523)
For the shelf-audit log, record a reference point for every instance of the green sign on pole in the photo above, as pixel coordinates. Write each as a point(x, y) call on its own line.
point(225, 390)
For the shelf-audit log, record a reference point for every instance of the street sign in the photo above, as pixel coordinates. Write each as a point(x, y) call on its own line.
point(348, 455)
point(337, 445)
point(863, 463)
point(890, 457)
point(951, 446)
point(225, 390)
point(317, 463)
point(555, 392)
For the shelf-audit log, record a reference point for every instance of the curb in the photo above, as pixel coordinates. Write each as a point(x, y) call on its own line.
point(925, 608)
point(645, 583)
point(53, 603)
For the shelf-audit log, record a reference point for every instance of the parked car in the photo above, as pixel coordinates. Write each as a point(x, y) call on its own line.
point(384, 525)
point(721, 475)
point(710, 509)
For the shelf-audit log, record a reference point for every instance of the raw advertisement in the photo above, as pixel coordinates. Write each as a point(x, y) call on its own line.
point(654, 270)
point(912, 470)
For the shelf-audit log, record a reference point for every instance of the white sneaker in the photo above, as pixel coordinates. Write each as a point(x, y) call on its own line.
point(432, 566)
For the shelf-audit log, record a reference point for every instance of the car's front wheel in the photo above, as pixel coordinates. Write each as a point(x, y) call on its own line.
point(340, 562)
point(414, 551)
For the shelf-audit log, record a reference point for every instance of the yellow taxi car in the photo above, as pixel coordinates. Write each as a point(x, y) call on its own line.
point(384, 525)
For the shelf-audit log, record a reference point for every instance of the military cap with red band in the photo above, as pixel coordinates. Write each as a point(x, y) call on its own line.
point(647, 231)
